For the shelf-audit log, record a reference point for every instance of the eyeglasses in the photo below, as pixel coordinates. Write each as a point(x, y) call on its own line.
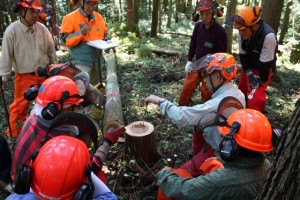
point(91, 4)
point(239, 22)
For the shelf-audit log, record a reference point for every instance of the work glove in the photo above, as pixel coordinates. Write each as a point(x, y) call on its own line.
point(112, 135)
point(253, 79)
point(187, 67)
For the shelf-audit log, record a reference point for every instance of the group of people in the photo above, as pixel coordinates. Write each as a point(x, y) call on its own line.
point(228, 155)
point(228, 159)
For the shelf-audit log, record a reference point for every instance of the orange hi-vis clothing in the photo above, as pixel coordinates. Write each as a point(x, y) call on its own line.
point(191, 82)
point(72, 37)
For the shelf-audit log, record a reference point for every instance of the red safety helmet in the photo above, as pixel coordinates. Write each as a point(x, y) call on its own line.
point(34, 4)
point(223, 62)
point(52, 90)
point(59, 168)
point(205, 5)
point(255, 132)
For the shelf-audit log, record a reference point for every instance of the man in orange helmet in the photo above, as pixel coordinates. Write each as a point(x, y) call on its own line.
point(208, 37)
point(245, 165)
point(26, 45)
point(60, 169)
point(257, 51)
point(217, 71)
point(80, 27)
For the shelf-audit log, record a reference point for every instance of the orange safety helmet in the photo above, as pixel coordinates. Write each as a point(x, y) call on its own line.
point(205, 5)
point(59, 168)
point(35, 4)
point(246, 17)
point(52, 90)
point(255, 132)
point(223, 62)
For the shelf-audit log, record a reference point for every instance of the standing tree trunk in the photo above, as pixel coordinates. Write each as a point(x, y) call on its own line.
point(120, 11)
point(130, 15)
point(176, 11)
point(154, 18)
point(136, 17)
point(295, 53)
point(159, 17)
point(285, 23)
point(169, 14)
point(271, 13)
point(282, 180)
point(230, 11)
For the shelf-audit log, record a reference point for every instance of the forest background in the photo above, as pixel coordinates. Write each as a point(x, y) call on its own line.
point(153, 38)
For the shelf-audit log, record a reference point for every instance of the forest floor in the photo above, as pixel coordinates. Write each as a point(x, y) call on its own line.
point(141, 73)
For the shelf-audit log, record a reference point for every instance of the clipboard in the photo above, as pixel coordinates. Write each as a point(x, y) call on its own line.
point(101, 44)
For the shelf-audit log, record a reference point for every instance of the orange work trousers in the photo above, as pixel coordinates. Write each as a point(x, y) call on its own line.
point(207, 166)
point(18, 110)
point(191, 82)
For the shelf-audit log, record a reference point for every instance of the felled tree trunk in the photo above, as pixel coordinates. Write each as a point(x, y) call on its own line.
point(282, 181)
point(140, 143)
point(113, 117)
point(166, 52)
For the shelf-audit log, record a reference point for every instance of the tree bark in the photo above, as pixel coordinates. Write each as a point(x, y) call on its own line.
point(169, 14)
point(282, 180)
point(136, 18)
point(154, 18)
point(140, 143)
point(166, 52)
point(130, 15)
point(113, 117)
point(230, 11)
point(271, 13)
point(177, 11)
point(285, 23)
point(295, 53)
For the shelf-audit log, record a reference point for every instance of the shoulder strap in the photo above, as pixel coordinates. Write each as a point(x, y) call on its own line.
point(225, 103)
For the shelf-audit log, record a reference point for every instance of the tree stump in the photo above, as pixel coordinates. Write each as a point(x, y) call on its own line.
point(140, 143)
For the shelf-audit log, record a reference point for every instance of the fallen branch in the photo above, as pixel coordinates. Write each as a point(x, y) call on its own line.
point(166, 52)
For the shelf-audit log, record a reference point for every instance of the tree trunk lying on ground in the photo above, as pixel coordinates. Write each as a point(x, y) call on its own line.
point(113, 117)
point(166, 52)
point(283, 179)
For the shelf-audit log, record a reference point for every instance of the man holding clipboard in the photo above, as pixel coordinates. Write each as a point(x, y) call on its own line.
point(78, 28)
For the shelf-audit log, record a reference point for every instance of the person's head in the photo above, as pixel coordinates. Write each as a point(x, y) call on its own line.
point(61, 169)
point(88, 6)
point(206, 9)
point(57, 94)
point(248, 129)
point(246, 21)
point(29, 11)
point(216, 69)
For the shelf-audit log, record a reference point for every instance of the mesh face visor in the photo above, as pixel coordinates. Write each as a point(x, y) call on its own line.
point(236, 21)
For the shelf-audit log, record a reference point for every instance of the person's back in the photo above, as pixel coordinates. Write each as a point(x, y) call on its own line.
point(245, 165)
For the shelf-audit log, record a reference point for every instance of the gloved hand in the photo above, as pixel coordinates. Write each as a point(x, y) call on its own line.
point(187, 67)
point(253, 79)
point(112, 136)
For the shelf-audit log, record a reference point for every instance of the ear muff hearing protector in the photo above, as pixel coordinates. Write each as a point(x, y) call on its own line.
point(31, 93)
point(228, 147)
point(54, 108)
point(86, 191)
point(22, 181)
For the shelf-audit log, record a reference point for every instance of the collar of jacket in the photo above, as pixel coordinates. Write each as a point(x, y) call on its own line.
point(85, 15)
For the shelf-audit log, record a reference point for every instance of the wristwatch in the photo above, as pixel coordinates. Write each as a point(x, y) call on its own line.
point(161, 101)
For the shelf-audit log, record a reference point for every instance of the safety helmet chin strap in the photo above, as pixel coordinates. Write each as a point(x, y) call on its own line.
point(24, 16)
point(212, 84)
point(82, 7)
